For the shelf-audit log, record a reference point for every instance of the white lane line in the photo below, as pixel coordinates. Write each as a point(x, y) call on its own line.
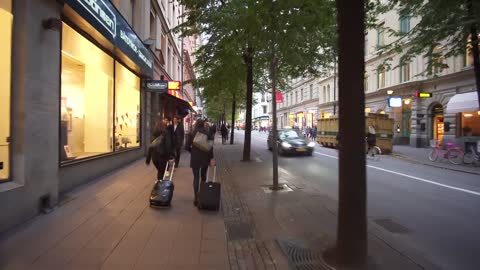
point(412, 177)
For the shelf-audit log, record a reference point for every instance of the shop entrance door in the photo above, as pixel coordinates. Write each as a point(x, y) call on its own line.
point(437, 123)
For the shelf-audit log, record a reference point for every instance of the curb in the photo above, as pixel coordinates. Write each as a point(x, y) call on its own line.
point(433, 165)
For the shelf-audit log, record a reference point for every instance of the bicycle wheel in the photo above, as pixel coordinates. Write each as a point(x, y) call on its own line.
point(468, 158)
point(376, 152)
point(433, 155)
point(455, 156)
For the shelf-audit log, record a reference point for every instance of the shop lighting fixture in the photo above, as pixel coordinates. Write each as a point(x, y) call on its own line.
point(478, 112)
point(468, 115)
point(406, 101)
point(389, 92)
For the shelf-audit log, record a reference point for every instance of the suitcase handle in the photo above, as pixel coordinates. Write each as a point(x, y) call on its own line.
point(166, 170)
point(214, 173)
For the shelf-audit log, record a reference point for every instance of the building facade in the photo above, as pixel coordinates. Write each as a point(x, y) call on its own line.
point(418, 121)
point(73, 102)
point(261, 109)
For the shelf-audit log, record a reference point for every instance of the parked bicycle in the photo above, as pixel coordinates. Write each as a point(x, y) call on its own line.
point(471, 156)
point(454, 154)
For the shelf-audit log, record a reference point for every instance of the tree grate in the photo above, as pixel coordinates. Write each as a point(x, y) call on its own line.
point(301, 258)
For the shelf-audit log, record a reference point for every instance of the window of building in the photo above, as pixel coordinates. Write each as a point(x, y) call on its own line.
point(296, 96)
point(100, 100)
point(301, 94)
point(380, 77)
point(264, 108)
point(438, 60)
point(405, 72)
point(132, 10)
point(405, 24)
point(291, 98)
point(365, 81)
point(328, 93)
point(6, 20)
point(86, 126)
point(127, 108)
point(263, 97)
point(153, 24)
point(324, 94)
point(380, 38)
point(311, 91)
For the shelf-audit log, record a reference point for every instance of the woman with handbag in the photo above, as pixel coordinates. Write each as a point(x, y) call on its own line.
point(200, 146)
point(161, 149)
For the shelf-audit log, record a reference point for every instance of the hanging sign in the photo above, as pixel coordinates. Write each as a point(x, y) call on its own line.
point(423, 94)
point(279, 97)
point(156, 85)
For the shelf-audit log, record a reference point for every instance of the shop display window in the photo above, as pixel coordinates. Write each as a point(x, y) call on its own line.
point(127, 108)
point(6, 22)
point(86, 122)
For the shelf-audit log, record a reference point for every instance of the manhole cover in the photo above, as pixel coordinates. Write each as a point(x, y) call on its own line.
point(238, 230)
point(391, 225)
point(301, 258)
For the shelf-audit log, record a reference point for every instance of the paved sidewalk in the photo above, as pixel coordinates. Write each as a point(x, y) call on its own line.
point(420, 155)
point(108, 224)
point(294, 226)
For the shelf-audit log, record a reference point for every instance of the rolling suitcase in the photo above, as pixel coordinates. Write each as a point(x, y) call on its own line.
point(162, 191)
point(209, 194)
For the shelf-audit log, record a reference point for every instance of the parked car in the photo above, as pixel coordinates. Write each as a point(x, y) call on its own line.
point(291, 141)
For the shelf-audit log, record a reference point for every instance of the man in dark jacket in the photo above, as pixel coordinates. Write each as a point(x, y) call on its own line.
point(178, 137)
point(199, 159)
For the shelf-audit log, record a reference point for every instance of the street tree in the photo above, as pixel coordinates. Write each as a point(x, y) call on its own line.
point(230, 26)
point(299, 41)
point(446, 28)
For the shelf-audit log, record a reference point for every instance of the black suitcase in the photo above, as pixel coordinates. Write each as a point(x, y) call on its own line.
point(209, 194)
point(162, 191)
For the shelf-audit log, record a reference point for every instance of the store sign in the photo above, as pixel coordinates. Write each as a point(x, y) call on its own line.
point(423, 94)
point(174, 85)
point(394, 102)
point(157, 85)
point(105, 18)
point(279, 97)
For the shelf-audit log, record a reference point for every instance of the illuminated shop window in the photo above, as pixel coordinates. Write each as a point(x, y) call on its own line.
point(6, 22)
point(127, 108)
point(86, 123)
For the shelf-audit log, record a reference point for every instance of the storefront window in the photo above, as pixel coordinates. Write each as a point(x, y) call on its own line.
point(86, 124)
point(127, 108)
point(471, 124)
point(6, 22)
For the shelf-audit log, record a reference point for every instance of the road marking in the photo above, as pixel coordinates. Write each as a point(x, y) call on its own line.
point(412, 177)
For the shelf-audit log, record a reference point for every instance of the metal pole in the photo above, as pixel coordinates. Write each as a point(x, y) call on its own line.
point(335, 85)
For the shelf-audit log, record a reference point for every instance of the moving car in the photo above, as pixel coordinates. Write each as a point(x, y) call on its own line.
point(291, 141)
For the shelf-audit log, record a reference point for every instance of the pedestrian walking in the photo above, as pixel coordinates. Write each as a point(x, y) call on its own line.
point(224, 132)
point(161, 149)
point(200, 146)
point(178, 137)
point(314, 133)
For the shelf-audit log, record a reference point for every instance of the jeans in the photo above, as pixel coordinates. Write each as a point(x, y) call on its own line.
point(196, 178)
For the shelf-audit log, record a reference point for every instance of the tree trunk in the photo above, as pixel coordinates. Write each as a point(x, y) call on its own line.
point(248, 60)
point(232, 126)
point(273, 74)
point(351, 246)
point(475, 53)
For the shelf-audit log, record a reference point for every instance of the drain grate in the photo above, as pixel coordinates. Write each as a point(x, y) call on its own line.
point(391, 226)
point(301, 258)
point(239, 231)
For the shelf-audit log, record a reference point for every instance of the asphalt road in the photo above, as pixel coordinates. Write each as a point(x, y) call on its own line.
point(439, 208)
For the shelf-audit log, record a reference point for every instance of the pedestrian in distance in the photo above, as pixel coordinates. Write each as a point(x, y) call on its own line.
point(224, 132)
point(178, 137)
point(161, 149)
point(200, 146)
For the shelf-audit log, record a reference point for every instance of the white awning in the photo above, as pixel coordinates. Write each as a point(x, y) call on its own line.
point(466, 102)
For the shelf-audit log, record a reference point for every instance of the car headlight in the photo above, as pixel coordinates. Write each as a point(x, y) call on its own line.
point(311, 144)
point(286, 145)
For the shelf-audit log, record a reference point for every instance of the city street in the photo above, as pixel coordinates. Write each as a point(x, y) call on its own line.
point(424, 212)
